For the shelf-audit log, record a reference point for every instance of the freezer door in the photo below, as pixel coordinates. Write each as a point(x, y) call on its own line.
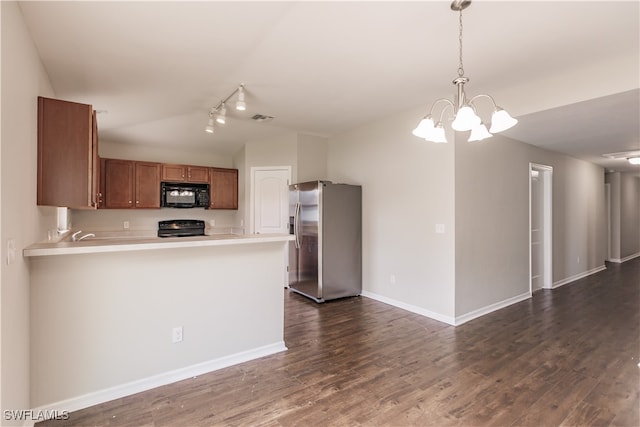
point(341, 255)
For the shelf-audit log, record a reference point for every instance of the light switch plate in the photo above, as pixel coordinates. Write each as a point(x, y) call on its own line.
point(11, 251)
point(440, 228)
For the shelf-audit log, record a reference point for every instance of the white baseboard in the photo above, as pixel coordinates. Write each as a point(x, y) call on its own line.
point(627, 258)
point(491, 308)
point(127, 389)
point(458, 320)
point(412, 308)
point(578, 276)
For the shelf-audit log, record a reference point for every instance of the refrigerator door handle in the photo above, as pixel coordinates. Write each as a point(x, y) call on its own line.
point(296, 225)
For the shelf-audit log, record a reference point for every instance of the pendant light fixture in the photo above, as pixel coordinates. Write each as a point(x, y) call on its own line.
point(218, 114)
point(464, 111)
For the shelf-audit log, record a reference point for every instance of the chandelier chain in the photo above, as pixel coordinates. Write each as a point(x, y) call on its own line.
point(460, 66)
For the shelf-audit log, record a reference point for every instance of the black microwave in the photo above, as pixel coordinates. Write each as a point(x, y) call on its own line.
point(181, 195)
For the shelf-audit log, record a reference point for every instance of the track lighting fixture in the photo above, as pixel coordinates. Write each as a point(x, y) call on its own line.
point(219, 112)
point(463, 110)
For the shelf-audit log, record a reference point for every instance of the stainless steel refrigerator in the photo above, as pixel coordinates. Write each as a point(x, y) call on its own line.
point(325, 259)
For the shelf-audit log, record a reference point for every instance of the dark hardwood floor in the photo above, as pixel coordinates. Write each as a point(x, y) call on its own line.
point(565, 357)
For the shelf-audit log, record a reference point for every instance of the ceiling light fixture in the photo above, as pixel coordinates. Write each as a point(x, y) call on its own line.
point(219, 112)
point(634, 160)
point(464, 112)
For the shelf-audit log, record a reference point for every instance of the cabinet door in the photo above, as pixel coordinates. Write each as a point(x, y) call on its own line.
point(147, 185)
point(173, 173)
point(118, 182)
point(197, 174)
point(67, 154)
point(224, 188)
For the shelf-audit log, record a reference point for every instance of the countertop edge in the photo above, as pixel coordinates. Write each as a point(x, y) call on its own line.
point(92, 247)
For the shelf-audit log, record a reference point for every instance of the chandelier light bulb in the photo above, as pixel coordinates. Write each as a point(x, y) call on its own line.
point(479, 133)
point(425, 128)
point(501, 120)
point(438, 134)
point(466, 119)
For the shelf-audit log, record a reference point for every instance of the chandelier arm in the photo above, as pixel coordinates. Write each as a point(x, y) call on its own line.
point(493, 101)
point(433, 106)
point(445, 109)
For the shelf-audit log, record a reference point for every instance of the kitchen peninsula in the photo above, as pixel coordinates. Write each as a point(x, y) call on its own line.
point(112, 317)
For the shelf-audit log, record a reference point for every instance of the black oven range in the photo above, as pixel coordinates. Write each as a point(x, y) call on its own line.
point(180, 228)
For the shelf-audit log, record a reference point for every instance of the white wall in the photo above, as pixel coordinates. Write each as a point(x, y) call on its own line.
point(102, 323)
point(492, 222)
point(407, 188)
point(629, 215)
point(625, 215)
point(492, 219)
point(23, 79)
point(312, 158)
point(479, 191)
point(114, 150)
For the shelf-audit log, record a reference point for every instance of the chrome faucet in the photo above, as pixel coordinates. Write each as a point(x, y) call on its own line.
point(77, 239)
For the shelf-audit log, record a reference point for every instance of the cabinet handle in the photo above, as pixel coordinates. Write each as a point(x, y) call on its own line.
point(137, 202)
point(129, 201)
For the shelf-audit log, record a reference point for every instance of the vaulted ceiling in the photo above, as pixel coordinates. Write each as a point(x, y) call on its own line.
point(567, 70)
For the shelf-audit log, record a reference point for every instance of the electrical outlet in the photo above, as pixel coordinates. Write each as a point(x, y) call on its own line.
point(125, 225)
point(212, 223)
point(176, 334)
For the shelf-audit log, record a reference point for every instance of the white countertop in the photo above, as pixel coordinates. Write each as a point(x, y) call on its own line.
point(124, 244)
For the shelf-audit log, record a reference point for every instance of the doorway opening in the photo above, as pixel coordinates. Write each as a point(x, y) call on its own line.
point(540, 227)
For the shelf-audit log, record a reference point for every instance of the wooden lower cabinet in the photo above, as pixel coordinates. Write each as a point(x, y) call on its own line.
point(131, 185)
point(223, 188)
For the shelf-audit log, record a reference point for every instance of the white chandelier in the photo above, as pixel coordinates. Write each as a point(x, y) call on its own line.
point(464, 112)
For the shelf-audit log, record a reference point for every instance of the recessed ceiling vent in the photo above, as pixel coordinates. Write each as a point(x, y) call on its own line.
point(261, 118)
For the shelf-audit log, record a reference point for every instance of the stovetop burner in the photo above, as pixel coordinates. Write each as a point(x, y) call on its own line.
point(181, 228)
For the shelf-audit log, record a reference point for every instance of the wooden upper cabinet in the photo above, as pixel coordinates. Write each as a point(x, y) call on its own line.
point(130, 184)
point(147, 185)
point(185, 173)
point(68, 165)
point(118, 184)
point(223, 188)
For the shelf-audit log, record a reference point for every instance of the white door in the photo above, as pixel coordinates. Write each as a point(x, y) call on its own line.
point(540, 180)
point(270, 199)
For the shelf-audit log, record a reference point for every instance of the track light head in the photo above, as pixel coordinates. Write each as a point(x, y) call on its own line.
point(221, 115)
point(241, 105)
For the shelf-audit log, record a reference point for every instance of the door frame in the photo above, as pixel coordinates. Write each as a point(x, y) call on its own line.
point(252, 187)
point(547, 235)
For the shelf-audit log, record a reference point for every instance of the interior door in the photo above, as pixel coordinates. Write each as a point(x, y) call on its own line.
point(537, 231)
point(540, 214)
point(271, 201)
